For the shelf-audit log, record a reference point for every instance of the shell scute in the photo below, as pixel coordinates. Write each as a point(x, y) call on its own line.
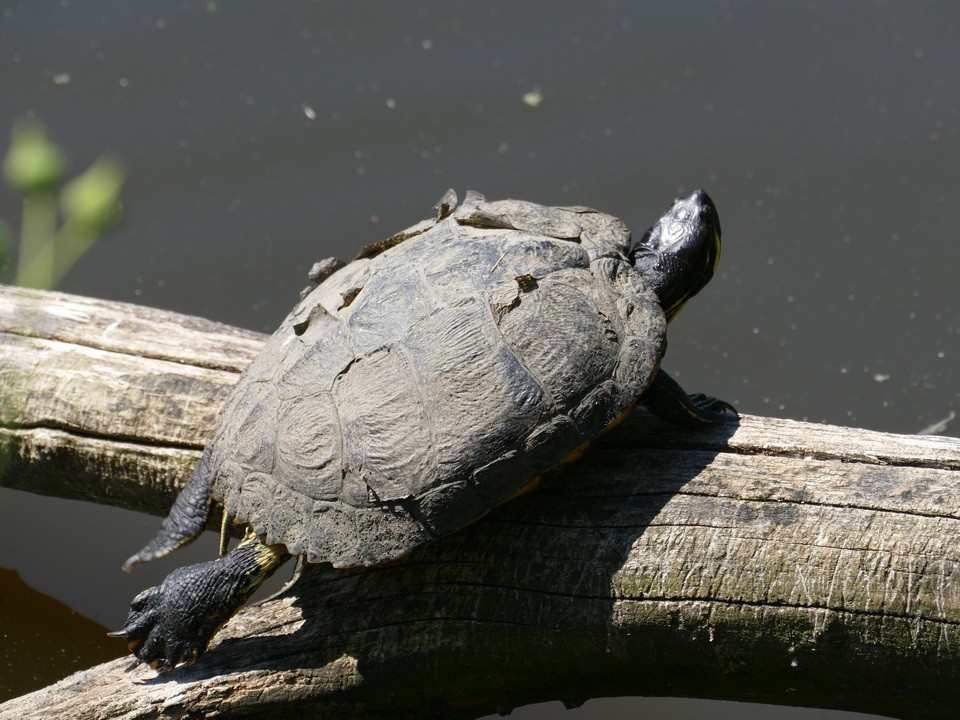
point(478, 395)
point(562, 337)
point(386, 430)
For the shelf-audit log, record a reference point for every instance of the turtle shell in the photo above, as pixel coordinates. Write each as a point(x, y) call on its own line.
point(417, 388)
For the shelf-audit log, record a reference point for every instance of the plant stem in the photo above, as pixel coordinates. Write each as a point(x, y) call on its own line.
point(35, 263)
point(69, 244)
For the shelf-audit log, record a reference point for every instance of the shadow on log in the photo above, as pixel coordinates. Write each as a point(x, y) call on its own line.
point(770, 561)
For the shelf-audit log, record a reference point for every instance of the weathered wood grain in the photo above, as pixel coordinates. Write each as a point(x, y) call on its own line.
point(109, 402)
point(771, 560)
point(126, 329)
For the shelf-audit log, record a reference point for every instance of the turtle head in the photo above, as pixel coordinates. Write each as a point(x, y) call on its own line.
point(677, 256)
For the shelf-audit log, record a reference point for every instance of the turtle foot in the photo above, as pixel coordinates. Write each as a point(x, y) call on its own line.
point(668, 400)
point(713, 411)
point(173, 622)
point(166, 625)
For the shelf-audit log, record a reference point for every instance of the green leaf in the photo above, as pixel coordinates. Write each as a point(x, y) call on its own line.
point(93, 199)
point(33, 164)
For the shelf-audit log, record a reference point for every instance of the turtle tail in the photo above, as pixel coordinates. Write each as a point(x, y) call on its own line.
point(187, 518)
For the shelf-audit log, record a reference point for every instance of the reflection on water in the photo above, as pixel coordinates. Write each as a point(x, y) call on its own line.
point(43, 639)
point(826, 133)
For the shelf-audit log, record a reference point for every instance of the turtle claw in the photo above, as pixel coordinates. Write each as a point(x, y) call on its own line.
point(713, 410)
point(667, 399)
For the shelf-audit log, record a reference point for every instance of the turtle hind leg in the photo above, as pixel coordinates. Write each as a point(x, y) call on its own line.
point(187, 518)
point(173, 622)
point(666, 399)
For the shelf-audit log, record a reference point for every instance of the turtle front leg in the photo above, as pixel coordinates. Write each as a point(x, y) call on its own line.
point(666, 399)
point(174, 621)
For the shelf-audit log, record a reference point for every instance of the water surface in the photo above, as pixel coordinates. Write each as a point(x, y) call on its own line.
point(259, 138)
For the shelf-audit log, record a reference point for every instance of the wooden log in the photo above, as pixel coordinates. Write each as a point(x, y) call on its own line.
point(769, 561)
point(110, 402)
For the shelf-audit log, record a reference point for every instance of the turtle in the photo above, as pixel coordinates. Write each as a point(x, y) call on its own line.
point(440, 374)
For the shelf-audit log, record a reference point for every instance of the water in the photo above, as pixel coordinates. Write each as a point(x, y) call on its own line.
point(260, 138)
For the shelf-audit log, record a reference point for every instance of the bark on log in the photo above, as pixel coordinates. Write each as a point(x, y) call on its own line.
point(769, 561)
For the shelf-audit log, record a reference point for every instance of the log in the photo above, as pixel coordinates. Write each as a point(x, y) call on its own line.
point(770, 561)
point(110, 402)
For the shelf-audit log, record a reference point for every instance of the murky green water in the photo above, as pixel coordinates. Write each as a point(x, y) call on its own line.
point(259, 138)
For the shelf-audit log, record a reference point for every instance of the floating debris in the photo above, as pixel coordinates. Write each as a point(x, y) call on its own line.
point(938, 427)
point(533, 98)
point(446, 204)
